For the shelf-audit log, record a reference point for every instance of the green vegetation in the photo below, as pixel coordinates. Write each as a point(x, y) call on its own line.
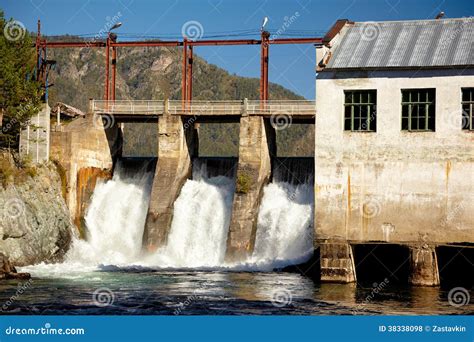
point(13, 170)
point(20, 95)
point(243, 184)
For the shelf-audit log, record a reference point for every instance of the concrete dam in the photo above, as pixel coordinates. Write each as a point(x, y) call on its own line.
point(252, 212)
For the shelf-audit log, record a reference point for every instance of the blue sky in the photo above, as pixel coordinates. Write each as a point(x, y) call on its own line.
point(291, 66)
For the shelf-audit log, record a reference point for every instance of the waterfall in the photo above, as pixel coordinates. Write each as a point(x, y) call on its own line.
point(285, 219)
point(116, 216)
point(201, 218)
point(198, 234)
point(285, 225)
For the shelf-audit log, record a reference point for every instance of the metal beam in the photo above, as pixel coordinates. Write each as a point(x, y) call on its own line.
point(114, 71)
point(264, 67)
point(225, 42)
point(107, 67)
point(74, 44)
point(189, 73)
point(296, 41)
point(184, 73)
point(147, 43)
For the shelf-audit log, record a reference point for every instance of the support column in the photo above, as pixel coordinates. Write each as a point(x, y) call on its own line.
point(176, 146)
point(184, 72)
point(114, 72)
point(107, 68)
point(189, 75)
point(337, 262)
point(256, 146)
point(424, 266)
point(264, 55)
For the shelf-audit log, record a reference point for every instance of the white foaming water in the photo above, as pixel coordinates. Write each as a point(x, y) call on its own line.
point(200, 224)
point(115, 222)
point(284, 226)
point(198, 234)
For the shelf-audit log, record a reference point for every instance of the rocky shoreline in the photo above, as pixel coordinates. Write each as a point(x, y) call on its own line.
point(7, 271)
point(35, 224)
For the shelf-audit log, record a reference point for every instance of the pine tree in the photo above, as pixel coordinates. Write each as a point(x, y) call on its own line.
point(20, 94)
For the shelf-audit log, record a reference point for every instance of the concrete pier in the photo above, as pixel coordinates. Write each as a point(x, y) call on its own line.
point(177, 144)
point(337, 262)
point(257, 144)
point(424, 266)
point(85, 149)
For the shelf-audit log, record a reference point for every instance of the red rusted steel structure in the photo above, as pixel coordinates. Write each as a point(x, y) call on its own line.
point(187, 67)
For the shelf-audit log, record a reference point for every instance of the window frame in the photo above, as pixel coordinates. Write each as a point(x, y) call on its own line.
point(420, 103)
point(371, 105)
point(470, 113)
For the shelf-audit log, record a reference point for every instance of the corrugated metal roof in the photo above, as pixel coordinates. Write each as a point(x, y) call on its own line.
point(405, 44)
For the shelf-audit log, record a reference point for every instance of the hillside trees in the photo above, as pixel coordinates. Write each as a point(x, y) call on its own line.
point(20, 94)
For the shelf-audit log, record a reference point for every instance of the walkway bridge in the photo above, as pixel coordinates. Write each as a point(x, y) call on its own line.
point(301, 111)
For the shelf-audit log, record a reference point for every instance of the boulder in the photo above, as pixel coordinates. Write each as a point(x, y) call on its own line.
point(8, 271)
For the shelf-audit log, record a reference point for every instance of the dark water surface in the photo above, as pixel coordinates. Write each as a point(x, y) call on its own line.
point(138, 292)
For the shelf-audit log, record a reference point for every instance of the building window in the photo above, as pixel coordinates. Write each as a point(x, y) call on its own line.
point(468, 108)
point(418, 109)
point(360, 110)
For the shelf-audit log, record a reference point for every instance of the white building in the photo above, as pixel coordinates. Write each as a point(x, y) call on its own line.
point(394, 141)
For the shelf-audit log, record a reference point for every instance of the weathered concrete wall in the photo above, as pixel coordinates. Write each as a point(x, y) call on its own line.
point(86, 149)
point(256, 146)
point(86, 180)
point(337, 262)
point(392, 185)
point(177, 144)
point(34, 139)
point(424, 266)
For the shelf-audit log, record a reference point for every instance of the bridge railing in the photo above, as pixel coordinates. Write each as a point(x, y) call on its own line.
point(198, 107)
point(283, 107)
point(128, 107)
point(209, 108)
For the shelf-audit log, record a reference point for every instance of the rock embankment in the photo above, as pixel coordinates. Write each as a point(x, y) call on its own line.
point(7, 271)
point(35, 225)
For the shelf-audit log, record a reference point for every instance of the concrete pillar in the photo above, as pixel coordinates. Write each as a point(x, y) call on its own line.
point(256, 145)
point(84, 152)
point(424, 266)
point(337, 262)
point(177, 144)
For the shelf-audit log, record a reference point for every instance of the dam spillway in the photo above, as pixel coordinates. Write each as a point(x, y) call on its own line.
point(115, 220)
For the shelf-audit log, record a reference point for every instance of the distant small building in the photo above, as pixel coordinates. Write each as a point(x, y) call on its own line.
point(394, 153)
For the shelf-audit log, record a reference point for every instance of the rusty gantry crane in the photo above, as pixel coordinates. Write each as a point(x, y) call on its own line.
point(111, 44)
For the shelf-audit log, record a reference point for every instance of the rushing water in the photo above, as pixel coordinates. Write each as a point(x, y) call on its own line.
point(108, 273)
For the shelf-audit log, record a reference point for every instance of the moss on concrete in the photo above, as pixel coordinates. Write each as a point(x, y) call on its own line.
point(244, 182)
